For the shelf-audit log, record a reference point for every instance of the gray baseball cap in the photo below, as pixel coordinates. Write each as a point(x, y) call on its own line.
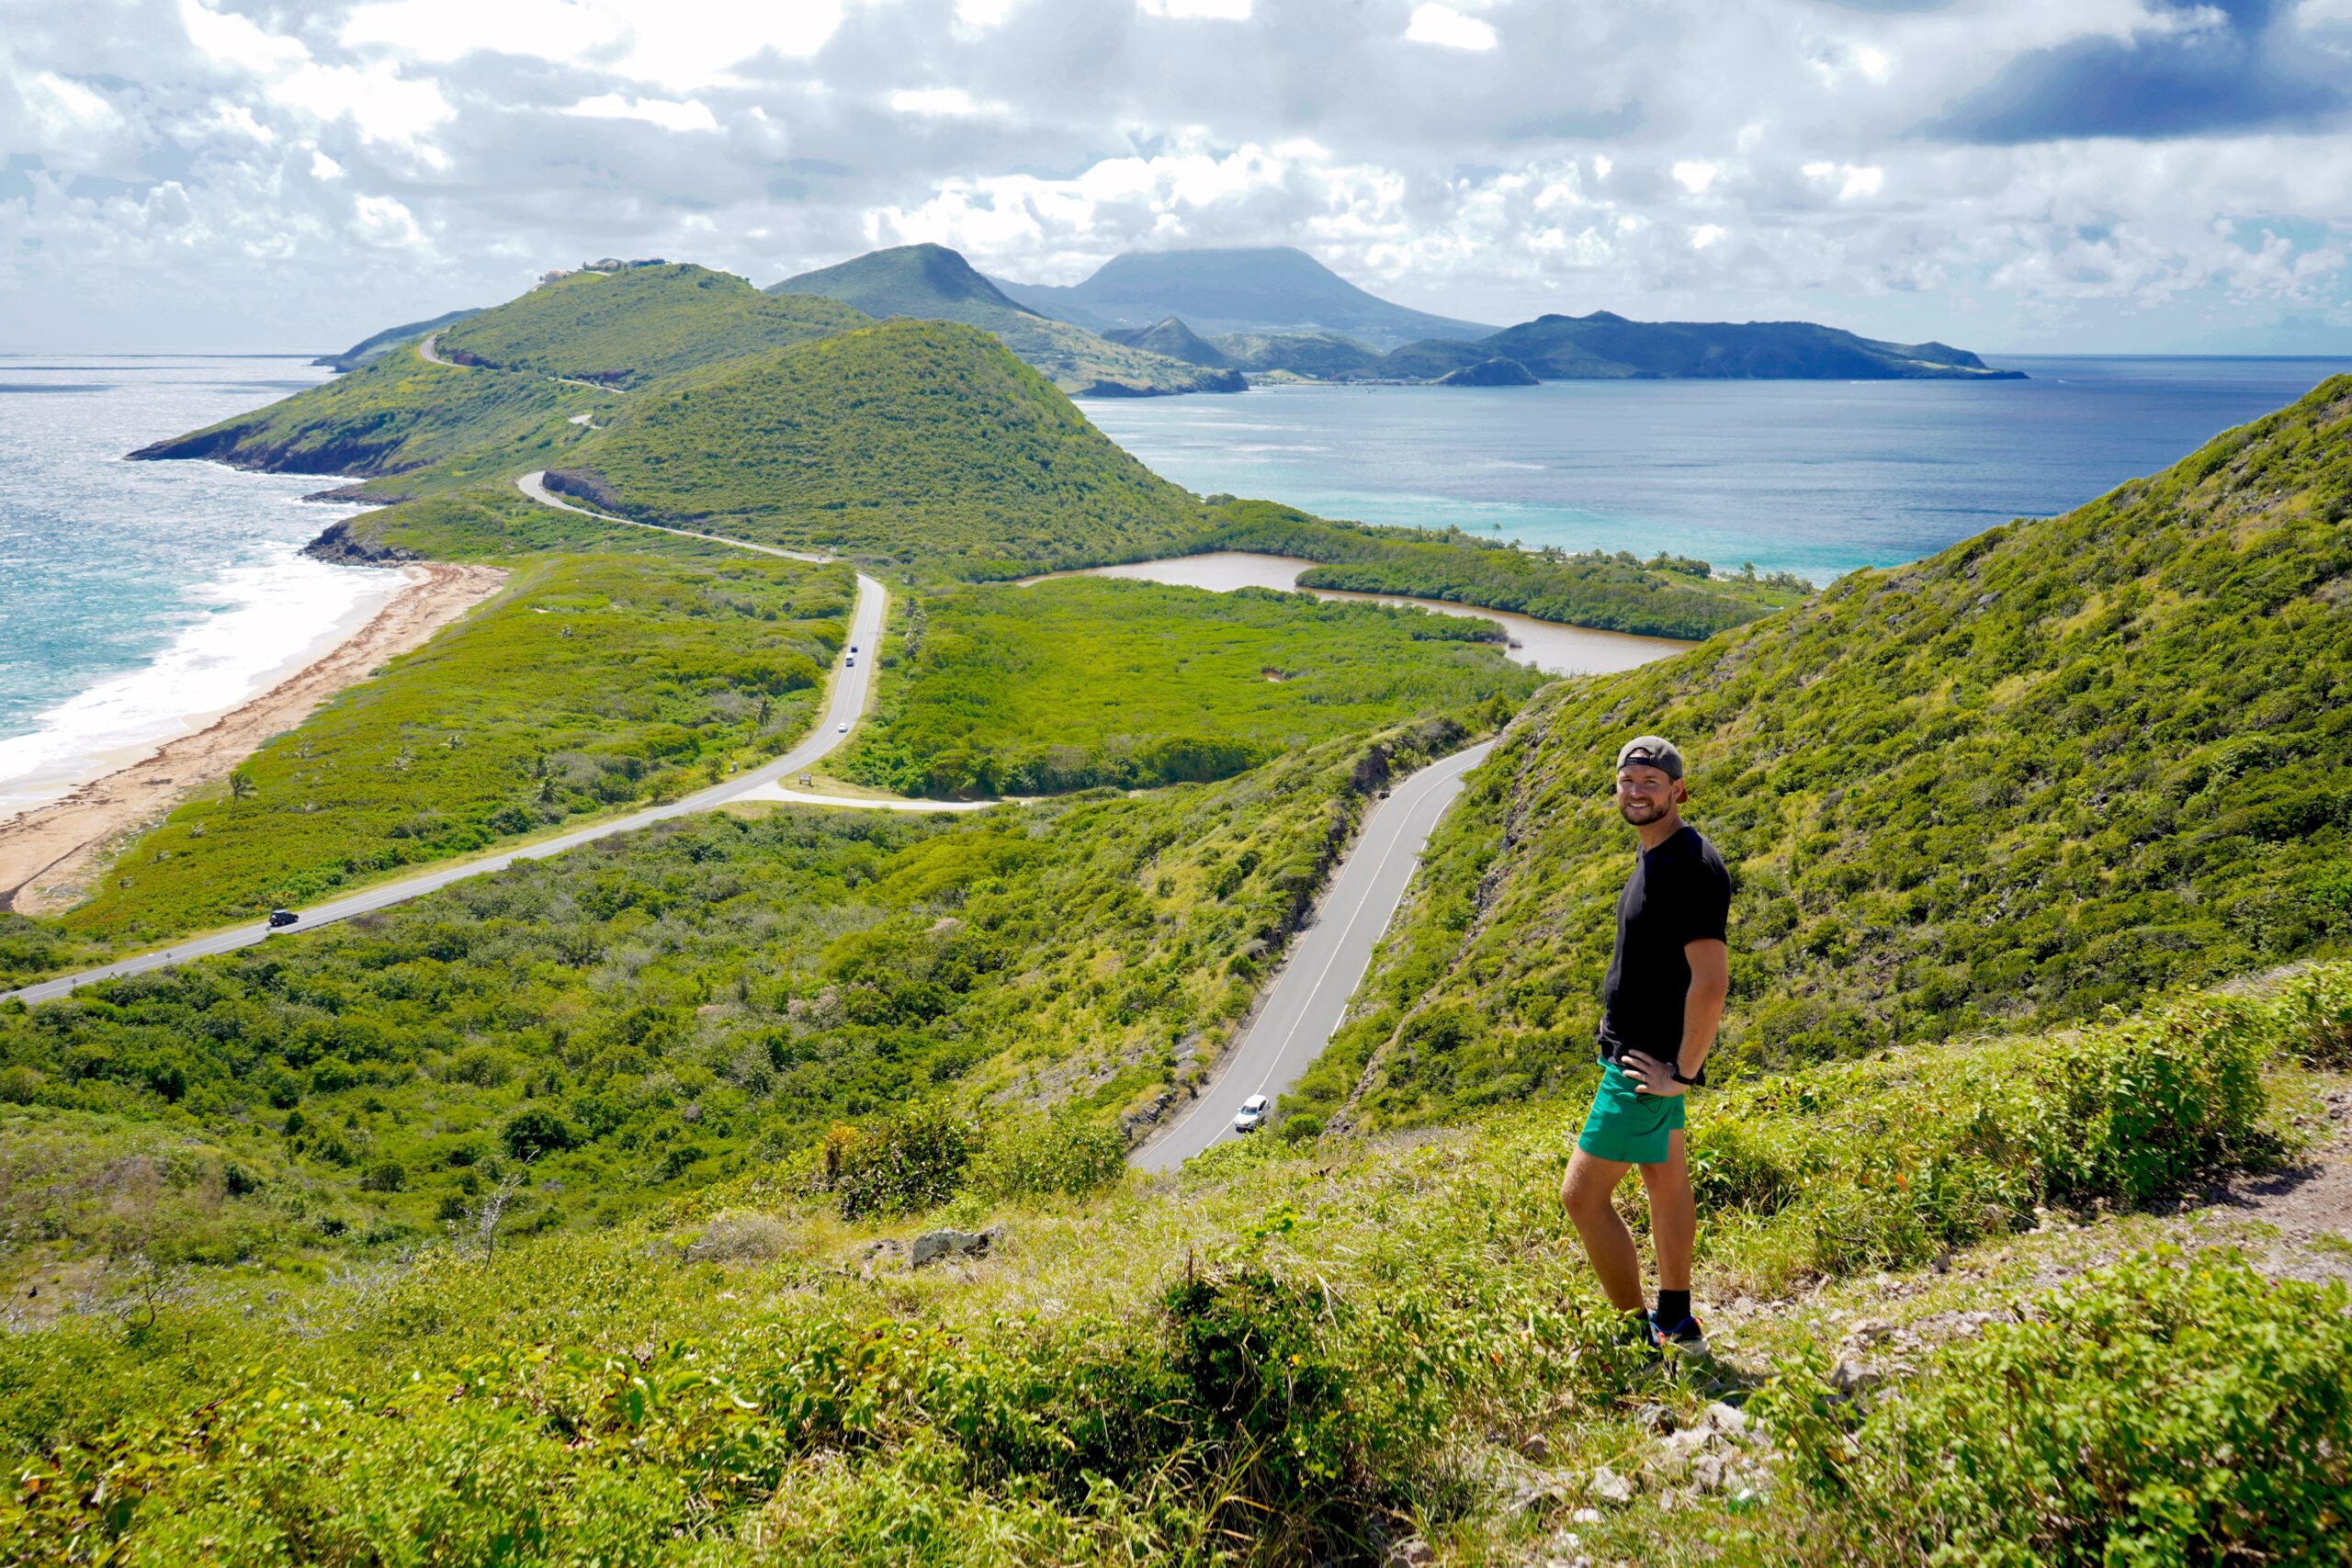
point(1651, 751)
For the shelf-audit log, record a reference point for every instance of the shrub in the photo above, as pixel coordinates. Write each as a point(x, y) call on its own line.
point(2317, 1011)
point(1048, 1154)
point(535, 1130)
point(2171, 1410)
point(908, 1163)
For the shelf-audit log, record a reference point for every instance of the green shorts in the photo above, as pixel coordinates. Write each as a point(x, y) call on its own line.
point(1625, 1124)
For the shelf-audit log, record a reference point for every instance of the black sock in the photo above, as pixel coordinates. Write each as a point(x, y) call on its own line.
point(1673, 1307)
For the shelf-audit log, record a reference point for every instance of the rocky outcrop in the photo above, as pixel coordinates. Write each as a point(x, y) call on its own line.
point(934, 1246)
point(341, 546)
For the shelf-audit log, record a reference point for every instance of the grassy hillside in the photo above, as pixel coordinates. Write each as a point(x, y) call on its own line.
point(641, 1017)
point(1172, 337)
point(594, 683)
point(2059, 765)
point(625, 329)
point(1318, 355)
point(912, 440)
point(1289, 1355)
point(1090, 682)
point(934, 283)
point(378, 343)
point(394, 415)
point(1671, 597)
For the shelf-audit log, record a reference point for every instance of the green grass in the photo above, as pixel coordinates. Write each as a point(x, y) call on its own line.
point(633, 327)
point(699, 997)
point(1084, 682)
point(594, 683)
point(909, 441)
point(1671, 597)
point(2061, 765)
point(395, 414)
point(1281, 1355)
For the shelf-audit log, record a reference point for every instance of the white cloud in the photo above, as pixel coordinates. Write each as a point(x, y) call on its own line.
point(323, 167)
point(1212, 10)
point(947, 103)
point(1695, 175)
point(1705, 234)
point(1445, 25)
point(668, 114)
point(384, 220)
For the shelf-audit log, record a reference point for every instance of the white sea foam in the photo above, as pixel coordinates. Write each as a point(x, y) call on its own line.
point(252, 627)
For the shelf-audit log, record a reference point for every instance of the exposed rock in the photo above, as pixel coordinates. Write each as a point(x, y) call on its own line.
point(340, 546)
point(1654, 1417)
point(1536, 1449)
point(1411, 1553)
point(1854, 1377)
point(932, 1246)
point(1611, 1487)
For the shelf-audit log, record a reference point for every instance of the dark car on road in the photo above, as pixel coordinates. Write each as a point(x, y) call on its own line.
point(280, 919)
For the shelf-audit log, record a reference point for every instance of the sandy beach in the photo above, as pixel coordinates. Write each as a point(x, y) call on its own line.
point(47, 853)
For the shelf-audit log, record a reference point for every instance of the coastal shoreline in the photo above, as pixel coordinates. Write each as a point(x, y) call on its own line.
point(48, 852)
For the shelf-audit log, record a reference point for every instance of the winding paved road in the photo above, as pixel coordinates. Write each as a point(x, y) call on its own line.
point(1311, 991)
point(847, 702)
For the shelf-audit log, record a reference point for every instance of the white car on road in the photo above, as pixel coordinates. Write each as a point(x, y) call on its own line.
point(1253, 1110)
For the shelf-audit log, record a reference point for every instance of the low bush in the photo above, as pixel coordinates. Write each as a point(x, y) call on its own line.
point(2171, 1410)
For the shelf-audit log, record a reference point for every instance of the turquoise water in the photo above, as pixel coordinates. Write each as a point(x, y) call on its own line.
point(1816, 478)
point(136, 595)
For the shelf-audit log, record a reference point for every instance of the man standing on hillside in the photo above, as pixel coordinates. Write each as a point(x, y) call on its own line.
point(1659, 1008)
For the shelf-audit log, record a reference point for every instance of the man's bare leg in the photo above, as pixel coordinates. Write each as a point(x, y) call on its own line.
point(1674, 1216)
point(1584, 1192)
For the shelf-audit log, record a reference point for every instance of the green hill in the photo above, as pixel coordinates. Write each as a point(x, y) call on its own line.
point(393, 414)
point(912, 439)
point(624, 329)
point(2063, 764)
point(369, 348)
point(934, 283)
point(1172, 337)
point(1321, 356)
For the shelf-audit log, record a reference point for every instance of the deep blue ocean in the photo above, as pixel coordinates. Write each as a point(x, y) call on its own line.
point(135, 596)
point(1816, 478)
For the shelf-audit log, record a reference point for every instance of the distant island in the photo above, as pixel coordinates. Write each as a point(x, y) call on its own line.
point(1218, 320)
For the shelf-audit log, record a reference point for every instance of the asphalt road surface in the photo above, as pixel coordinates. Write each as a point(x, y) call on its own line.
point(534, 485)
point(1311, 990)
point(847, 702)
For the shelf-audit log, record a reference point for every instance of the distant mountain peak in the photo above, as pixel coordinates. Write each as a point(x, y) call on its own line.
point(924, 273)
point(1263, 288)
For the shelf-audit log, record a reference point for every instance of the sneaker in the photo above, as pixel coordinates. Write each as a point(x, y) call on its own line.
point(1686, 1338)
point(1641, 1335)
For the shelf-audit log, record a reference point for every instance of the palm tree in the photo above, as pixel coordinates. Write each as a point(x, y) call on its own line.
point(240, 785)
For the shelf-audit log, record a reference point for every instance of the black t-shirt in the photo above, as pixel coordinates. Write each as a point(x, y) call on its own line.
point(1679, 893)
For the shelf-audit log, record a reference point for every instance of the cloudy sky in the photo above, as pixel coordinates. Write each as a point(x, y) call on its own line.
point(2052, 175)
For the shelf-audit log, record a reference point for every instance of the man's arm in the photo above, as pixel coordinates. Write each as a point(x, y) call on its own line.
point(1702, 1004)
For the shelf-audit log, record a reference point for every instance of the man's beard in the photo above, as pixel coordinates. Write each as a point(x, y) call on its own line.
point(1640, 813)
